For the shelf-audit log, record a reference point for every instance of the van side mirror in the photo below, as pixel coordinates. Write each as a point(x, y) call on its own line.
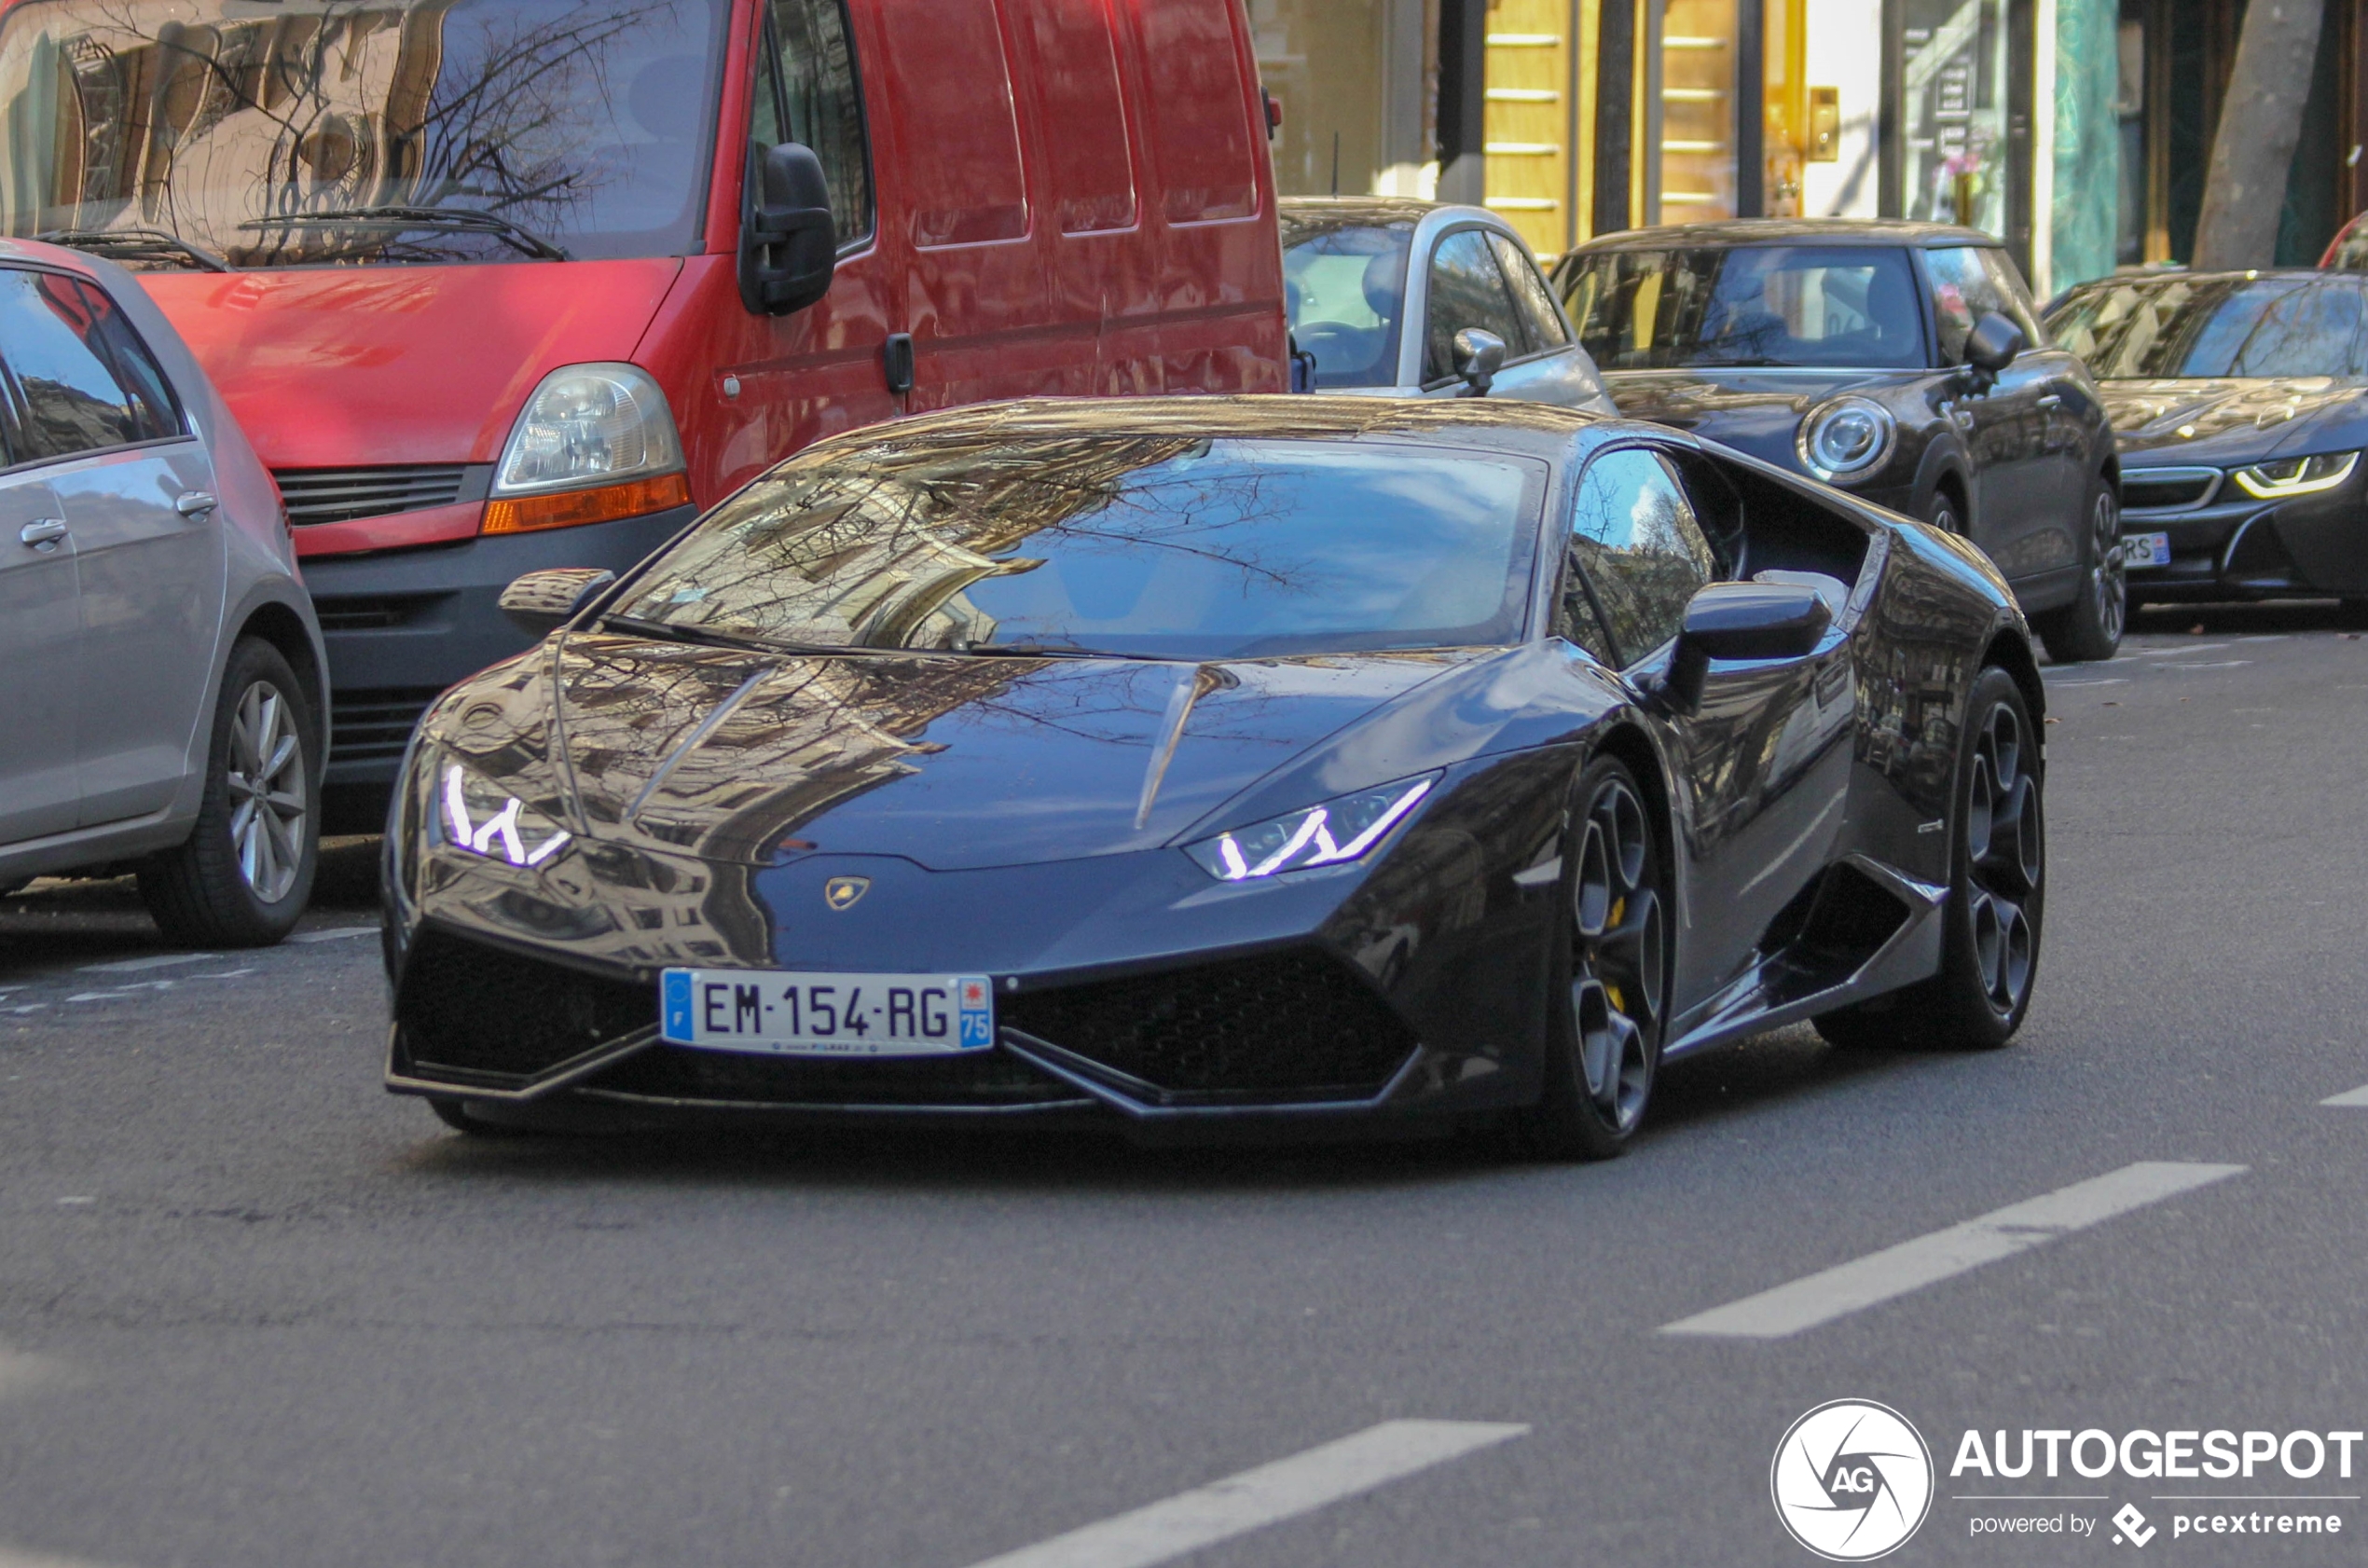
point(1743, 621)
point(541, 603)
point(1480, 353)
point(789, 246)
point(1992, 346)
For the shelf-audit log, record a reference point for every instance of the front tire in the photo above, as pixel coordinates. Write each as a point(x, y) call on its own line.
point(2089, 629)
point(243, 876)
point(1997, 893)
point(1606, 1001)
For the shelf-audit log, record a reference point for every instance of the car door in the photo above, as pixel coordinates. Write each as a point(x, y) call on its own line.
point(135, 492)
point(1465, 288)
point(2021, 515)
point(40, 640)
point(1761, 760)
point(1553, 368)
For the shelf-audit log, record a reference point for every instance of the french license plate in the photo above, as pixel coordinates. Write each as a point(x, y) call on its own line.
point(784, 1013)
point(2145, 549)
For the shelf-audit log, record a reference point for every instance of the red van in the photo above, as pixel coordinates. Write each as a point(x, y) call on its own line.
point(503, 285)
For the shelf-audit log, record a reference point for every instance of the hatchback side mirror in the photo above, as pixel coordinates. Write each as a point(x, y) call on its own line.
point(1480, 353)
point(1992, 346)
point(1743, 621)
point(789, 244)
point(541, 603)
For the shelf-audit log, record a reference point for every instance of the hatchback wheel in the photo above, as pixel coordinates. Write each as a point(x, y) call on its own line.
point(1606, 1003)
point(241, 878)
point(2089, 628)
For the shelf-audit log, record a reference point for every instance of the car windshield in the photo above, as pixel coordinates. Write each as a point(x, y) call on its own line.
point(1849, 306)
point(1151, 547)
point(2149, 328)
point(315, 132)
point(1346, 287)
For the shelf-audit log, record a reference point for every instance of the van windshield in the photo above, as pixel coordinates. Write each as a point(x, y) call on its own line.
point(309, 132)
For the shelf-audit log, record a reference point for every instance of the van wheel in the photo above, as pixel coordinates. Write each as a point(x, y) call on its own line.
point(243, 876)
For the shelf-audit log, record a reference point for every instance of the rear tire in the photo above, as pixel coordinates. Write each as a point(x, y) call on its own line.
point(2089, 629)
point(1944, 513)
point(1997, 893)
point(1607, 995)
point(243, 876)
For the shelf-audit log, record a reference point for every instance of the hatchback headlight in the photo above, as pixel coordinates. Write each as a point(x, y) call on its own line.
point(486, 819)
point(1847, 438)
point(1330, 834)
point(589, 425)
point(2293, 476)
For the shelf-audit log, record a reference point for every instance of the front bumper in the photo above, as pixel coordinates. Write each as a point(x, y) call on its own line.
point(401, 626)
point(2235, 546)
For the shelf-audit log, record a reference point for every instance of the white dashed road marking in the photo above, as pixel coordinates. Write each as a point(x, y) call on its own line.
point(11, 1558)
point(2350, 1097)
point(154, 961)
point(1896, 1271)
point(1253, 1499)
point(335, 933)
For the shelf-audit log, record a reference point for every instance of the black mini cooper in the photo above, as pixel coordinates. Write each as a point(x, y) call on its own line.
point(1903, 362)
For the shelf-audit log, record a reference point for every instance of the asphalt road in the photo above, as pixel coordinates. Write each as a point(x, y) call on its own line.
point(254, 1312)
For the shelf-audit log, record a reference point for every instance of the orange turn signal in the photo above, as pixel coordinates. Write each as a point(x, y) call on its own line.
point(606, 503)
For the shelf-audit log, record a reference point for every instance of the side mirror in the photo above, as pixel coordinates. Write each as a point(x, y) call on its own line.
point(1480, 354)
point(1992, 345)
point(789, 247)
point(1743, 621)
point(541, 603)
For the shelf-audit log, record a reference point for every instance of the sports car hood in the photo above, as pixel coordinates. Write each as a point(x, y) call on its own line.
point(2229, 419)
point(1756, 410)
point(953, 762)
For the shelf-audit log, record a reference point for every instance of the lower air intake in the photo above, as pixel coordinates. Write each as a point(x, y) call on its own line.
point(1295, 1025)
point(981, 1078)
point(481, 1014)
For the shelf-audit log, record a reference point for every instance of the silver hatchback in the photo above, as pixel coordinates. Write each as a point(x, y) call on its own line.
point(161, 681)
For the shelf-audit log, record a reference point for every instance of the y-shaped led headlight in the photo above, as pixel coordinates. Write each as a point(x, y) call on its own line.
point(1330, 834)
point(2283, 477)
point(486, 819)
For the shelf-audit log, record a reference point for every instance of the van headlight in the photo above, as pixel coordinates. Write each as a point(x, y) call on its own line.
point(1331, 834)
point(2292, 476)
point(1847, 438)
point(589, 425)
point(483, 819)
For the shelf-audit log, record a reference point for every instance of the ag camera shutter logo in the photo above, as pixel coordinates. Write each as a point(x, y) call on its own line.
point(1853, 1480)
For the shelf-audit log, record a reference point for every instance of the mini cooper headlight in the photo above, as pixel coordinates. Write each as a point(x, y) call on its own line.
point(1847, 438)
point(2293, 476)
point(1330, 834)
point(486, 819)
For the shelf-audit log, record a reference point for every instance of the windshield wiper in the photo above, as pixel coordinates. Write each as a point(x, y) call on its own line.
point(137, 244)
point(467, 219)
point(707, 637)
point(1046, 651)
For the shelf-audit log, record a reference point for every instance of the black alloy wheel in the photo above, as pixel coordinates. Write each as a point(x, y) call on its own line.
point(2089, 628)
point(1609, 984)
point(1997, 889)
point(1941, 514)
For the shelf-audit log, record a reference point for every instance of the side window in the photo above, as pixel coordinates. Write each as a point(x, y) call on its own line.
point(807, 91)
point(1530, 296)
point(1467, 290)
point(1966, 288)
point(65, 396)
point(1634, 537)
point(2020, 307)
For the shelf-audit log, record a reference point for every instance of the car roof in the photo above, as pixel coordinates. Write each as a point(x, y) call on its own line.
point(2233, 274)
point(57, 256)
point(1498, 424)
point(1769, 231)
point(1343, 211)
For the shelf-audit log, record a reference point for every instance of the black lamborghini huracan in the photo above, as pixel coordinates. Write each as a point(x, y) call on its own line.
point(1182, 760)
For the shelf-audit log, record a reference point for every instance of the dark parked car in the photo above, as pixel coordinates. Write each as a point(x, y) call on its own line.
point(1900, 361)
point(2240, 400)
point(1168, 761)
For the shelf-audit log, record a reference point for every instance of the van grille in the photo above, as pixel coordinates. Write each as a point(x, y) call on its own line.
point(340, 495)
point(376, 721)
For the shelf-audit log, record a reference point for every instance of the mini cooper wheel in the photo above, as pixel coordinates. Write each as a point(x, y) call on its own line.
point(243, 876)
point(1997, 889)
point(2089, 628)
point(1607, 998)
